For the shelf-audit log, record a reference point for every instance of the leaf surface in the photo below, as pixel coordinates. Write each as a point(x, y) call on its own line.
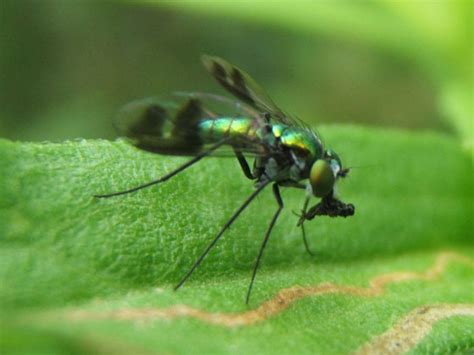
point(86, 275)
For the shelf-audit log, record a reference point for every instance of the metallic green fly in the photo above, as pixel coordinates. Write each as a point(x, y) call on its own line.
point(286, 152)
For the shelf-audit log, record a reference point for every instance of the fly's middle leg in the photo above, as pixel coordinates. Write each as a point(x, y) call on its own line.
point(221, 232)
point(244, 165)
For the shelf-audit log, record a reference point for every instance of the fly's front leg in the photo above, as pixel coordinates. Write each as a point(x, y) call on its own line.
point(301, 224)
point(304, 214)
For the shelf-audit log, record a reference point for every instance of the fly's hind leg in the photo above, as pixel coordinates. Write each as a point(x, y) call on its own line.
point(169, 175)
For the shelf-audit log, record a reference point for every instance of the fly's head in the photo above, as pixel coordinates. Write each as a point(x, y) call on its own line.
point(324, 174)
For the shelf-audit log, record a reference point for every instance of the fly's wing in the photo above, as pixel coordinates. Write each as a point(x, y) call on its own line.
point(221, 105)
point(171, 127)
point(245, 88)
point(154, 126)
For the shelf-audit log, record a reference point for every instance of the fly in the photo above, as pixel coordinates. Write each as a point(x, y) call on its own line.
point(286, 151)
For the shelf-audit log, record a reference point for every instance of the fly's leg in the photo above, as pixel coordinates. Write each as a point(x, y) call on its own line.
point(329, 206)
point(276, 192)
point(305, 241)
point(169, 175)
point(221, 232)
point(244, 165)
point(303, 213)
point(296, 185)
point(301, 223)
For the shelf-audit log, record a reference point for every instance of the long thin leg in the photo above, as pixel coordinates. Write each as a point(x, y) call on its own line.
point(169, 175)
point(303, 232)
point(244, 165)
point(305, 241)
point(276, 192)
point(296, 185)
point(221, 232)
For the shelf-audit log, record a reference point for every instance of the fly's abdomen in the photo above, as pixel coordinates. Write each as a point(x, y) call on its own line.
point(237, 128)
point(185, 130)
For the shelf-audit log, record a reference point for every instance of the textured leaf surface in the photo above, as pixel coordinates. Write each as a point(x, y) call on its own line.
point(82, 275)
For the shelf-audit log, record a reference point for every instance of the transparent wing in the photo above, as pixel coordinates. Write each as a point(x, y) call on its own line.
point(221, 106)
point(170, 126)
point(245, 88)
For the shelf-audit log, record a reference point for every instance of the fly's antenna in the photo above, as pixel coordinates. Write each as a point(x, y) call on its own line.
point(345, 171)
point(364, 166)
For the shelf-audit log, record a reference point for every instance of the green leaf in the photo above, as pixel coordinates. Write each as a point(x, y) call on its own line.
point(82, 275)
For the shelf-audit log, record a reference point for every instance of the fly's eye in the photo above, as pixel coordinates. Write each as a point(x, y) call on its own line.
point(321, 178)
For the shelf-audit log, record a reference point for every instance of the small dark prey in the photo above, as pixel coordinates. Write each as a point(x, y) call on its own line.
point(286, 152)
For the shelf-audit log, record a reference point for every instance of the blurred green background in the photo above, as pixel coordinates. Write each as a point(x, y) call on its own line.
point(67, 66)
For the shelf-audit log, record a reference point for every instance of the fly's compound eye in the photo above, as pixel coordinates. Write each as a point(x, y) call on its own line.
point(321, 178)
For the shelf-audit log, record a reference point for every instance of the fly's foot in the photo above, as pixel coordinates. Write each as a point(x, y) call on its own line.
point(301, 217)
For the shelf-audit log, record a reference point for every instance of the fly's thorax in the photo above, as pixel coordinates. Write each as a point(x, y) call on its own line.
point(303, 143)
point(294, 151)
point(303, 146)
point(276, 171)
